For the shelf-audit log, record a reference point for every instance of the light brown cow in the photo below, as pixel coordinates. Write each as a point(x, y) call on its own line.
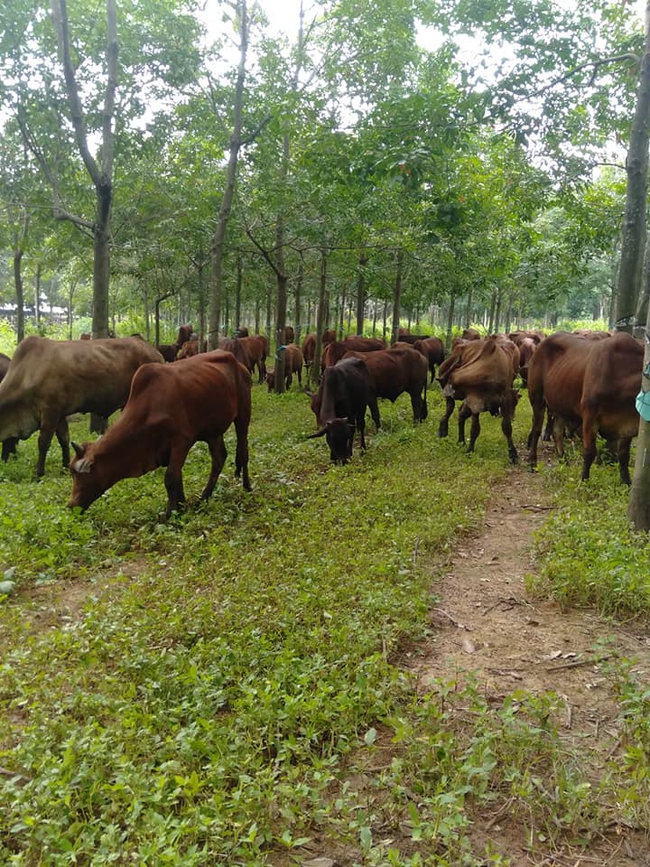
point(480, 374)
point(48, 380)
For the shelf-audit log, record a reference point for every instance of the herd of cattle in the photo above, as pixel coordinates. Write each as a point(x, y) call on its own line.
point(584, 382)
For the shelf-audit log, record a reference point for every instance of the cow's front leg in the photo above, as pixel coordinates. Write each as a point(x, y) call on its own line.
point(174, 481)
point(463, 414)
point(63, 436)
point(506, 427)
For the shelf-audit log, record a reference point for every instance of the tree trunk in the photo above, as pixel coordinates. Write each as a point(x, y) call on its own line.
point(320, 318)
point(20, 296)
point(238, 286)
point(397, 295)
point(450, 318)
point(37, 295)
point(102, 260)
point(218, 243)
point(361, 293)
point(468, 308)
point(297, 318)
point(633, 235)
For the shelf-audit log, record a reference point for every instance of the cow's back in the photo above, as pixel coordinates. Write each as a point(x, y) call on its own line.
point(556, 374)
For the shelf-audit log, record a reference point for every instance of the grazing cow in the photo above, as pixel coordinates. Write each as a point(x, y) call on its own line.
point(344, 392)
point(527, 347)
point(433, 350)
point(337, 349)
point(590, 385)
point(406, 337)
point(395, 371)
point(256, 348)
point(289, 334)
point(555, 379)
point(607, 406)
point(169, 409)
point(480, 374)
point(329, 336)
point(49, 379)
point(169, 351)
point(234, 345)
point(293, 360)
point(191, 347)
point(8, 445)
point(309, 350)
point(241, 331)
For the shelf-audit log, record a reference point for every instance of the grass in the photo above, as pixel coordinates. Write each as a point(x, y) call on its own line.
point(231, 670)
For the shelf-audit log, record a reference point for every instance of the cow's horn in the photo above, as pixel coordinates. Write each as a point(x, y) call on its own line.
point(78, 450)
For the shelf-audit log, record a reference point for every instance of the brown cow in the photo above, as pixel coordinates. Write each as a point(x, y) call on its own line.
point(555, 379)
point(234, 345)
point(241, 331)
point(344, 392)
point(592, 385)
point(169, 351)
point(337, 349)
point(309, 350)
point(293, 360)
point(8, 445)
point(49, 379)
point(169, 409)
point(433, 350)
point(480, 374)
point(329, 336)
point(256, 348)
point(395, 371)
point(191, 347)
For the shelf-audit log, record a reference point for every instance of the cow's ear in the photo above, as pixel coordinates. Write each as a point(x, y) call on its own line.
point(83, 465)
point(78, 450)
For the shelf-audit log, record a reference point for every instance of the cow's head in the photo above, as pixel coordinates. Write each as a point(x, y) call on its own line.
point(270, 380)
point(339, 434)
point(87, 482)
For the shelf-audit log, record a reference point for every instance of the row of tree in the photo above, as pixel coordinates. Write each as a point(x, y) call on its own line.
point(407, 152)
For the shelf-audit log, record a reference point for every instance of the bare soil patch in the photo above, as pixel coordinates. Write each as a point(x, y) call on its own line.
point(490, 629)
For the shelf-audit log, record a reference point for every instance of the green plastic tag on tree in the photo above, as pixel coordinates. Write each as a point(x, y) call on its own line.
point(643, 405)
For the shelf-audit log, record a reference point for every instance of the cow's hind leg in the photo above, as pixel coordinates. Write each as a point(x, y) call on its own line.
point(624, 444)
point(506, 427)
point(443, 428)
point(218, 454)
point(463, 414)
point(241, 454)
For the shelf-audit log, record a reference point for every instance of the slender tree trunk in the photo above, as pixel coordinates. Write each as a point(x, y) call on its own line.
point(238, 288)
point(341, 315)
point(397, 295)
point(468, 309)
point(297, 318)
point(374, 319)
point(361, 293)
point(497, 312)
point(493, 306)
point(20, 295)
point(37, 295)
point(320, 317)
point(385, 321)
point(633, 235)
point(450, 318)
point(258, 306)
point(218, 243)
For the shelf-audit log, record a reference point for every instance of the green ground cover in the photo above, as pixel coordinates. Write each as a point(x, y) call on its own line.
point(228, 668)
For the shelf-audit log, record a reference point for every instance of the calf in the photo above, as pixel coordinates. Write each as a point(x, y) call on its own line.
point(344, 392)
point(170, 407)
point(480, 374)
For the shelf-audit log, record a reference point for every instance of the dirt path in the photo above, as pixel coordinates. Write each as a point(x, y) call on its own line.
point(489, 625)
